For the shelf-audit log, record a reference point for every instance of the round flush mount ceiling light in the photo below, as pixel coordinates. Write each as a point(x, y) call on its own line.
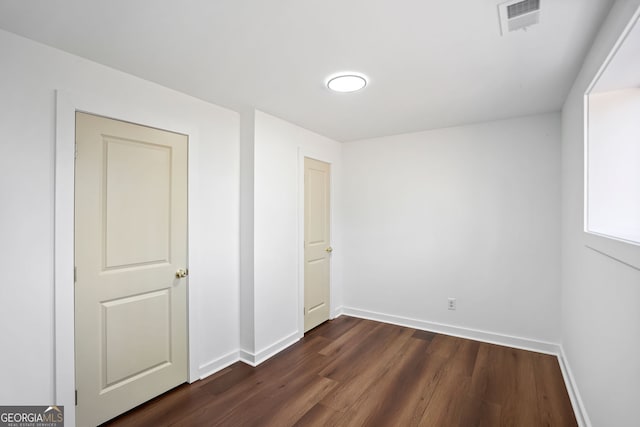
point(347, 82)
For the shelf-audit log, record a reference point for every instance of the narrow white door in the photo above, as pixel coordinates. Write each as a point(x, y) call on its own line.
point(131, 261)
point(317, 244)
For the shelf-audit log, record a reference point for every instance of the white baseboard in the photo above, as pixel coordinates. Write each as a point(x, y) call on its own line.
point(218, 364)
point(247, 357)
point(337, 312)
point(576, 400)
point(254, 359)
point(457, 331)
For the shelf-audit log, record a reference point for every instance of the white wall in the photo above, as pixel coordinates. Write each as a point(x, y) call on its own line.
point(279, 150)
point(470, 212)
point(29, 76)
point(614, 164)
point(600, 313)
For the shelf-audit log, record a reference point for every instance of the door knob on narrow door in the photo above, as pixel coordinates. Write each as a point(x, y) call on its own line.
point(181, 273)
point(329, 249)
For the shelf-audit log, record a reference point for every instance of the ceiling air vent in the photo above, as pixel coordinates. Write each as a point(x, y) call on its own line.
point(518, 14)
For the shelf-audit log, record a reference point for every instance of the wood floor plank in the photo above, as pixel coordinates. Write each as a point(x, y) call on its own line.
point(164, 410)
point(435, 368)
point(349, 339)
point(463, 361)
point(354, 372)
point(424, 335)
point(335, 328)
point(447, 402)
point(444, 345)
point(357, 379)
point(479, 413)
point(300, 401)
point(386, 401)
point(348, 363)
point(282, 403)
point(520, 407)
point(500, 380)
point(482, 371)
point(293, 360)
point(319, 416)
point(554, 404)
point(232, 375)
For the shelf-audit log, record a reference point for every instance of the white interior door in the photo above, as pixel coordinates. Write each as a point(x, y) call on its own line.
point(130, 242)
point(317, 243)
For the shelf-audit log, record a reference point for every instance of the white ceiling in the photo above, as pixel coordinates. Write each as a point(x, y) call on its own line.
point(431, 64)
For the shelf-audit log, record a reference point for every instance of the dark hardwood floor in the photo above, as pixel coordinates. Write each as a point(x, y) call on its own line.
point(354, 372)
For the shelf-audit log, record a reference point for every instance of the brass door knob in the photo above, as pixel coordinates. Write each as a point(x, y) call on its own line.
point(182, 273)
point(329, 249)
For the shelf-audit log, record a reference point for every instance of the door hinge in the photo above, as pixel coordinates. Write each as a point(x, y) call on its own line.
point(304, 311)
point(75, 150)
point(75, 274)
point(76, 397)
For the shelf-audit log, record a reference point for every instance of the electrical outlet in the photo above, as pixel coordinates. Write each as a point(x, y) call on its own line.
point(451, 304)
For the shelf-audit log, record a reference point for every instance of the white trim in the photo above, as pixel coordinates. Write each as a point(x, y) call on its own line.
point(64, 339)
point(337, 312)
point(457, 331)
point(585, 161)
point(300, 215)
point(576, 400)
point(254, 359)
point(218, 364)
point(64, 343)
point(247, 357)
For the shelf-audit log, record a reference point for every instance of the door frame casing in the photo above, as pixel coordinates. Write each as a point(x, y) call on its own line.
point(64, 227)
point(302, 153)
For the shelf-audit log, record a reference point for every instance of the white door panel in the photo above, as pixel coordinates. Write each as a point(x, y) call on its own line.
point(130, 239)
point(317, 234)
